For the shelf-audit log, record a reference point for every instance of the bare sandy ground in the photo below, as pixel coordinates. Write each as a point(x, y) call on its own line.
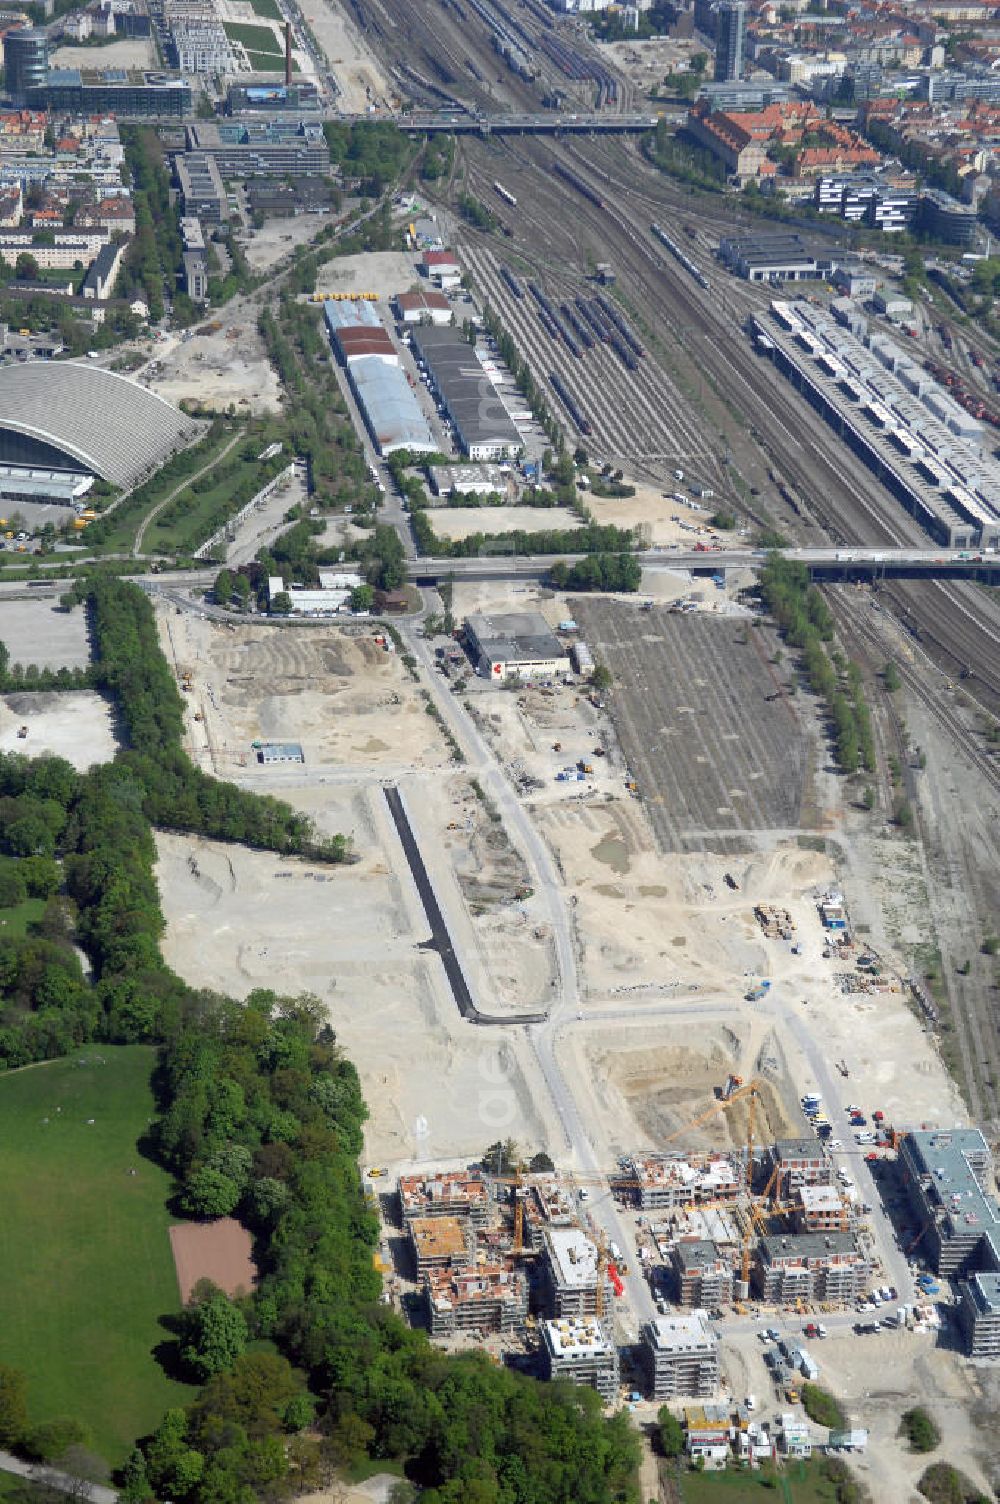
point(354, 65)
point(383, 272)
point(77, 726)
point(216, 369)
point(653, 511)
point(460, 522)
point(129, 52)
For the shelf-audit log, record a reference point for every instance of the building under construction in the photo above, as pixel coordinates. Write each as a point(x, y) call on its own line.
point(582, 1351)
point(440, 1243)
point(491, 1298)
point(702, 1275)
point(798, 1161)
point(571, 1273)
point(682, 1357)
point(665, 1182)
point(453, 1194)
point(789, 1267)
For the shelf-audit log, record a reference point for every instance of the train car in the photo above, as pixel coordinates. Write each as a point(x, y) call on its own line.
point(511, 281)
point(505, 194)
point(569, 403)
point(576, 182)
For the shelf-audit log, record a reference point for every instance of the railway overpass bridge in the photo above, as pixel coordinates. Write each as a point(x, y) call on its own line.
point(546, 123)
point(831, 564)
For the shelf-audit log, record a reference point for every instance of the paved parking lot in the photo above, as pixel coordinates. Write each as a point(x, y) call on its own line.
point(712, 752)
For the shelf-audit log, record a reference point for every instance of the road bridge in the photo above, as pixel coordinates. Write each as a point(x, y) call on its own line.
point(835, 564)
point(547, 123)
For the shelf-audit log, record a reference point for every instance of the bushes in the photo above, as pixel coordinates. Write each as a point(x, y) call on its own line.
point(805, 622)
point(944, 1484)
point(620, 572)
point(920, 1430)
point(823, 1408)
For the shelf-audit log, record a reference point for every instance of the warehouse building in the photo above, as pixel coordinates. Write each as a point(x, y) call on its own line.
point(362, 344)
point(911, 432)
point(520, 644)
point(785, 256)
point(491, 1298)
point(581, 1351)
point(423, 307)
point(682, 1357)
point(483, 426)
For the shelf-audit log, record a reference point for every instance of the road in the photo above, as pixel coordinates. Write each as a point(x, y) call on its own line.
point(542, 1037)
point(64, 1483)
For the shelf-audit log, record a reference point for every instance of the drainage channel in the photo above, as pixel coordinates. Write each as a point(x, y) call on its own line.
point(440, 940)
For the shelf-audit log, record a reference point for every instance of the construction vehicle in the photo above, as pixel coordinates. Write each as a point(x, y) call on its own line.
point(376, 1171)
point(733, 1083)
point(22, 732)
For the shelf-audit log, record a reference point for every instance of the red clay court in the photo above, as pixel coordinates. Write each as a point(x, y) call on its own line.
point(221, 1251)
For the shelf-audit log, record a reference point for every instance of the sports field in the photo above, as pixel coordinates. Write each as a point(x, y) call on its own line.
point(84, 1248)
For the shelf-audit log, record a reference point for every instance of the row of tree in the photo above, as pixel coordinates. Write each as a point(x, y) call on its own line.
point(621, 572)
point(595, 538)
point(806, 624)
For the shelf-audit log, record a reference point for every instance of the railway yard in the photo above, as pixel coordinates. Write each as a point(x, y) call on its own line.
point(716, 798)
point(612, 911)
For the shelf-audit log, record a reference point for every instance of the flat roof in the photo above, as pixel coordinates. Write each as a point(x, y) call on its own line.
point(438, 1237)
point(798, 1148)
point(579, 1337)
point(697, 1253)
point(984, 1293)
point(572, 1255)
point(680, 1334)
point(518, 637)
point(808, 1245)
point(470, 397)
point(945, 1159)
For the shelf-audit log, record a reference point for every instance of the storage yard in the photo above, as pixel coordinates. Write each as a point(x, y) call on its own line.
point(713, 739)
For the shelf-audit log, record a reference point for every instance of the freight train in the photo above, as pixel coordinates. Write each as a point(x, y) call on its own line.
point(680, 255)
point(569, 403)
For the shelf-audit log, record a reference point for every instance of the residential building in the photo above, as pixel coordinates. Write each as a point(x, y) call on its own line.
point(731, 21)
point(581, 1350)
point(948, 1178)
point(67, 248)
point(103, 271)
point(195, 259)
point(570, 1271)
point(979, 1315)
point(439, 1243)
point(682, 1357)
point(488, 1298)
point(810, 1266)
point(454, 1193)
point(116, 215)
point(798, 1161)
point(820, 1208)
point(702, 1277)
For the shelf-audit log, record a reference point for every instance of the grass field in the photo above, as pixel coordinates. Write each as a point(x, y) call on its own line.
point(15, 920)
point(254, 38)
point(796, 1483)
point(87, 1268)
point(266, 8)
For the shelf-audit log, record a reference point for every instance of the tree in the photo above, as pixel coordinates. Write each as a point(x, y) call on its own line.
point(670, 1434)
point(241, 590)
point(214, 1333)
point(210, 1193)
point(281, 604)
point(362, 598)
point(26, 267)
point(222, 590)
point(13, 1406)
point(890, 677)
point(601, 678)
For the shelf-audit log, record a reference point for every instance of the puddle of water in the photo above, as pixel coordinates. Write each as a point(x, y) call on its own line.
point(613, 852)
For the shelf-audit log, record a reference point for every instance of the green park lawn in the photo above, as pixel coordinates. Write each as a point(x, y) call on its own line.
point(795, 1483)
point(254, 38)
point(87, 1267)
